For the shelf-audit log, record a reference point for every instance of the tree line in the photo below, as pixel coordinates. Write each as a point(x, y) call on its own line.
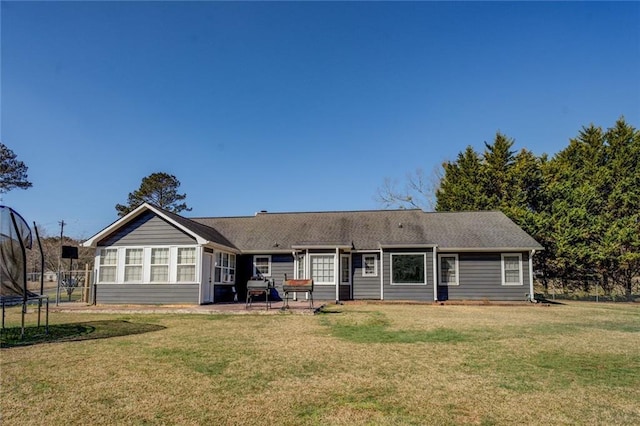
point(582, 204)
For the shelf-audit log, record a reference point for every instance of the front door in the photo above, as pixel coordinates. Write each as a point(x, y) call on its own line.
point(207, 278)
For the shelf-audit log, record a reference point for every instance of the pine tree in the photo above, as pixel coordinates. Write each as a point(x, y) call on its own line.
point(159, 189)
point(13, 172)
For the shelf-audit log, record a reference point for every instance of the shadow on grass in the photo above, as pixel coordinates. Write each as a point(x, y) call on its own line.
point(91, 330)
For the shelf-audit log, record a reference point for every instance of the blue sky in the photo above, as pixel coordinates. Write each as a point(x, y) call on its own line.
point(292, 106)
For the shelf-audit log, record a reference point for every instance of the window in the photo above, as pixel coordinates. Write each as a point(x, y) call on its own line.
point(369, 265)
point(108, 265)
point(448, 269)
point(408, 268)
point(512, 269)
point(159, 265)
point(262, 266)
point(225, 271)
point(133, 265)
point(186, 264)
point(345, 269)
point(322, 269)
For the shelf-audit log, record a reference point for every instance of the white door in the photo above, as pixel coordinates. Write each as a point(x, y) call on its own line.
point(207, 278)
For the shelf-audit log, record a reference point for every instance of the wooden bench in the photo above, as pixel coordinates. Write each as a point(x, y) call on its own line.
point(297, 286)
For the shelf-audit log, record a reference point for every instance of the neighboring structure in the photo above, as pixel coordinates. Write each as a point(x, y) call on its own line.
point(154, 256)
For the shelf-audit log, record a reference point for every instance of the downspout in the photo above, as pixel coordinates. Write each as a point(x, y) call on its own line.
point(336, 272)
point(435, 275)
point(381, 274)
point(532, 298)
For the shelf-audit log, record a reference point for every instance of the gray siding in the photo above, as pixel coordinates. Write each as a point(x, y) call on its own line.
point(281, 264)
point(481, 278)
point(148, 293)
point(413, 291)
point(324, 292)
point(147, 229)
point(364, 287)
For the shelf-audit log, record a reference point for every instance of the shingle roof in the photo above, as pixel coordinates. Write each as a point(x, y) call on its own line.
point(367, 230)
point(206, 232)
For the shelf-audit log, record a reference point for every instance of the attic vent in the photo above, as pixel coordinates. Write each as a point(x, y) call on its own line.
point(261, 212)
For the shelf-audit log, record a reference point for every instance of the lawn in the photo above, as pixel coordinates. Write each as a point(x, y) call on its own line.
point(575, 363)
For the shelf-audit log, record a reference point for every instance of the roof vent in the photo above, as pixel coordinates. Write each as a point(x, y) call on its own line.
point(400, 225)
point(261, 212)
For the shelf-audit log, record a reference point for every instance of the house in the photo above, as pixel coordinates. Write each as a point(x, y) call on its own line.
point(155, 256)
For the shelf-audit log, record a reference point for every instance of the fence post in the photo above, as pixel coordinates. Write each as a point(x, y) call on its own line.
point(85, 293)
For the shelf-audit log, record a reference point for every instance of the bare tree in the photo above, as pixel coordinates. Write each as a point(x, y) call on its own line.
point(418, 190)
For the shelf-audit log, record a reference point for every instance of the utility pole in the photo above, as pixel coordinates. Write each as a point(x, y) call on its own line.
point(61, 223)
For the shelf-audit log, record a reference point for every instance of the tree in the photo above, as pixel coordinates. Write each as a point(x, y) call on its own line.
point(13, 173)
point(418, 192)
point(461, 187)
point(159, 189)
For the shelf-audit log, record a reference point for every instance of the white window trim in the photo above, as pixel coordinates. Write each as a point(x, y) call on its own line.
point(424, 263)
point(255, 269)
point(225, 271)
point(454, 255)
point(114, 266)
point(140, 265)
point(146, 266)
point(147, 271)
point(310, 270)
point(375, 265)
point(194, 265)
point(519, 255)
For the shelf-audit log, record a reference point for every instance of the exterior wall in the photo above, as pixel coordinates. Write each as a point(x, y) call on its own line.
point(481, 278)
point(364, 287)
point(148, 293)
point(419, 292)
point(146, 230)
point(281, 264)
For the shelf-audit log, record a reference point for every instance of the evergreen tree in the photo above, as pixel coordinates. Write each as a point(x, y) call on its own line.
point(13, 172)
point(159, 189)
point(461, 187)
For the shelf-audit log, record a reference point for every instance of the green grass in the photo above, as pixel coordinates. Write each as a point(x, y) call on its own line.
point(577, 363)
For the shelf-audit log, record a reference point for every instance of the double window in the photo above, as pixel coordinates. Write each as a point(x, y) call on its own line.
point(512, 269)
point(449, 273)
point(408, 268)
point(225, 271)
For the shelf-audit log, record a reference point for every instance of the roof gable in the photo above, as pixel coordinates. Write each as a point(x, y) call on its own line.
point(202, 234)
